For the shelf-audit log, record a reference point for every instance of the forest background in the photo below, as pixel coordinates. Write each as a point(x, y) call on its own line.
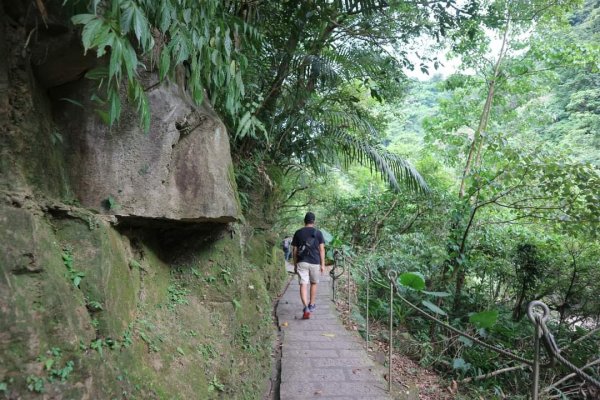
point(484, 184)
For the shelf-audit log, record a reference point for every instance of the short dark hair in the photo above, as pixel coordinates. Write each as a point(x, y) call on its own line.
point(309, 218)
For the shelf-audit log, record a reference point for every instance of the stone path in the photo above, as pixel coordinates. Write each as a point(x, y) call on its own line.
point(320, 359)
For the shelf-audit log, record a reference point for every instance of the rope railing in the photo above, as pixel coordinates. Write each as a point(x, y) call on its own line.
point(542, 333)
point(338, 259)
point(430, 317)
point(551, 346)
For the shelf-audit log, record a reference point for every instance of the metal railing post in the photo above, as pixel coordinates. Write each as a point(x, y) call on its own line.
point(332, 273)
point(348, 283)
point(367, 320)
point(536, 364)
point(392, 275)
point(537, 320)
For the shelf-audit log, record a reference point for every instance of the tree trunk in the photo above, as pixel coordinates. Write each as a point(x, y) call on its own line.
point(517, 313)
point(460, 281)
point(564, 305)
point(474, 156)
point(477, 143)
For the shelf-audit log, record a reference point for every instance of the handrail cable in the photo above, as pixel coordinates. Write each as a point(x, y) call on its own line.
point(461, 333)
point(550, 343)
point(541, 331)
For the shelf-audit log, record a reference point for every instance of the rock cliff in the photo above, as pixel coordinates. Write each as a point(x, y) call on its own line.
point(126, 270)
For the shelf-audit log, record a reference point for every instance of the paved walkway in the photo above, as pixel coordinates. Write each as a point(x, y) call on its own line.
point(320, 359)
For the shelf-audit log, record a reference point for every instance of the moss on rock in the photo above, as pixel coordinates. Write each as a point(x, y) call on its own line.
point(194, 325)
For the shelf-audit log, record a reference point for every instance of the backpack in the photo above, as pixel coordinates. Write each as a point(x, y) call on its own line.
point(304, 249)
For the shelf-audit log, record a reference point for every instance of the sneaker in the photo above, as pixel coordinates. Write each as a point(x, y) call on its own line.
point(312, 307)
point(306, 314)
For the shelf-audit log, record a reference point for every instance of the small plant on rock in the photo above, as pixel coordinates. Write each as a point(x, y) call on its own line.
point(214, 384)
point(73, 275)
point(35, 384)
point(177, 295)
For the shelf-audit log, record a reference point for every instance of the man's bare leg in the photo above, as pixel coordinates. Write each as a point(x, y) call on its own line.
point(313, 293)
point(303, 293)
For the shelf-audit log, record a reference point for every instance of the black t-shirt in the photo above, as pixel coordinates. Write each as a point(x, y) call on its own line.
point(313, 238)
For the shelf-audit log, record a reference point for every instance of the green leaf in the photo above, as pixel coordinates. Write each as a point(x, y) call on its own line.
point(75, 102)
point(90, 30)
point(82, 19)
point(166, 10)
point(437, 294)
point(227, 44)
point(198, 95)
point(484, 319)
point(412, 280)
point(242, 125)
point(126, 18)
point(165, 63)
point(97, 73)
point(103, 116)
point(111, 202)
point(180, 351)
point(236, 304)
point(460, 364)
point(140, 27)
point(115, 64)
point(48, 364)
point(327, 236)
point(131, 60)
point(97, 345)
point(115, 106)
point(95, 305)
point(187, 15)
point(144, 110)
point(257, 124)
point(433, 307)
point(104, 38)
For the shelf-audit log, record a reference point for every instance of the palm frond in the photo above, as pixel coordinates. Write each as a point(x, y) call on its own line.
point(366, 7)
point(320, 145)
point(331, 136)
point(390, 166)
point(343, 120)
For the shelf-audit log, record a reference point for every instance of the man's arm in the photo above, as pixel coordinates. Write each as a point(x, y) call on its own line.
point(295, 258)
point(322, 253)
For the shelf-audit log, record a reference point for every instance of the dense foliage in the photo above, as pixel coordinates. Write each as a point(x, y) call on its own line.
point(513, 214)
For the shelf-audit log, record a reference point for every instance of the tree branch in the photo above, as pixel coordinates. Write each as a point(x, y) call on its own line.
point(571, 375)
point(494, 373)
point(294, 192)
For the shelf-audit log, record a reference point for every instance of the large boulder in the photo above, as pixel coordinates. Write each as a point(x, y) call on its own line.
point(180, 170)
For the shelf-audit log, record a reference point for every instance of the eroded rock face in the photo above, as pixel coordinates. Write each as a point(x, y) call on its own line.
point(180, 170)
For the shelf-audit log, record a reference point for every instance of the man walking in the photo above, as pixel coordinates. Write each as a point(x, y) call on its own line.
point(308, 247)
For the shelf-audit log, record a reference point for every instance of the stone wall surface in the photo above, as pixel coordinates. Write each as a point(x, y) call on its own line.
point(55, 142)
point(179, 170)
